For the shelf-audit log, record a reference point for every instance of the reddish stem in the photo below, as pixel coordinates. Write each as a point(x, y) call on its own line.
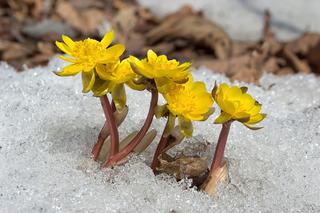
point(163, 143)
point(114, 135)
point(218, 155)
point(113, 106)
point(137, 139)
point(103, 134)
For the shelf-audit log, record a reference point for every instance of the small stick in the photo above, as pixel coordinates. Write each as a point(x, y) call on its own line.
point(137, 139)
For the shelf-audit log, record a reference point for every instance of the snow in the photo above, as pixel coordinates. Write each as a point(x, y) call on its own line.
point(243, 19)
point(47, 129)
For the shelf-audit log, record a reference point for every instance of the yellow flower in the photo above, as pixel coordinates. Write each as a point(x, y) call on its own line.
point(113, 74)
point(160, 68)
point(87, 54)
point(119, 72)
point(236, 104)
point(188, 102)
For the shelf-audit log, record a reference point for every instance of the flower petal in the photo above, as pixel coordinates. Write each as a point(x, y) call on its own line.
point(64, 48)
point(152, 56)
point(71, 60)
point(104, 71)
point(107, 38)
point(70, 70)
point(115, 51)
point(68, 41)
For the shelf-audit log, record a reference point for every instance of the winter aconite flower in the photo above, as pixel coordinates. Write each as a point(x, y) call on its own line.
point(237, 104)
point(112, 77)
point(86, 55)
point(160, 68)
point(189, 102)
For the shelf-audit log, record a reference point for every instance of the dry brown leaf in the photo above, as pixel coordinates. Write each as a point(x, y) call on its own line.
point(86, 21)
point(203, 32)
point(13, 50)
point(313, 58)
point(183, 166)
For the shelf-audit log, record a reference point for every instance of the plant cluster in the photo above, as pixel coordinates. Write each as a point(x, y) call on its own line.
point(105, 74)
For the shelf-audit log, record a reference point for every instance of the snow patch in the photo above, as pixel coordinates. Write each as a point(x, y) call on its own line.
point(48, 127)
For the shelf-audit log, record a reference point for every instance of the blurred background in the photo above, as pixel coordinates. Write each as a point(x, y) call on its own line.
point(240, 38)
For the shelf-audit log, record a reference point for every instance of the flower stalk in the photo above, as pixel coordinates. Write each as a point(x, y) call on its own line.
point(103, 134)
point(137, 139)
point(222, 141)
point(163, 143)
point(113, 128)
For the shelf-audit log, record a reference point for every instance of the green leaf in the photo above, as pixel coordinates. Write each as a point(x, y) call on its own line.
point(119, 96)
point(185, 126)
point(88, 79)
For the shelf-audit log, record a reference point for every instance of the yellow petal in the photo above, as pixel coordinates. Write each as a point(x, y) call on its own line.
point(68, 41)
point(223, 118)
point(63, 47)
point(88, 79)
point(71, 60)
point(152, 56)
point(70, 70)
point(107, 38)
point(115, 51)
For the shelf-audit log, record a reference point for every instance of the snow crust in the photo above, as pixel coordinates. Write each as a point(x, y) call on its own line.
point(47, 129)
